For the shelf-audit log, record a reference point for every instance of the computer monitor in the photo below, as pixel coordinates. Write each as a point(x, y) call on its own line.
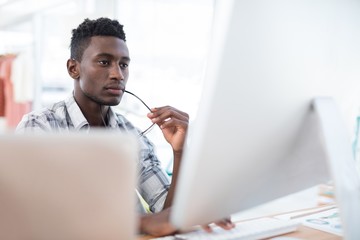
point(281, 91)
point(68, 186)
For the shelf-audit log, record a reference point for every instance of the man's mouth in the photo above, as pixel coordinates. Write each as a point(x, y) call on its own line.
point(115, 90)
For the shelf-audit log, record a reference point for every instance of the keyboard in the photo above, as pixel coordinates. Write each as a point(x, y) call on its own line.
point(255, 229)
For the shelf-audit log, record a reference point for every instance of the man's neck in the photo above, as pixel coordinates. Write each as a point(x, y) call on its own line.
point(97, 117)
point(95, 114)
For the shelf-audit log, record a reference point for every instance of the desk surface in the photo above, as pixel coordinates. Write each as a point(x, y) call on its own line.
point(302, 233)
point(312, 234)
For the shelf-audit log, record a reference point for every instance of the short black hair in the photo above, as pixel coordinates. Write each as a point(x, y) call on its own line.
point(80, 39)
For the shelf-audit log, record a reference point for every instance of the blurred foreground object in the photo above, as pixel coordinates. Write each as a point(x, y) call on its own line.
point(67, 186)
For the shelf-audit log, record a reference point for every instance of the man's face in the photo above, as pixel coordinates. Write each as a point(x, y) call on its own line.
point(103, 71)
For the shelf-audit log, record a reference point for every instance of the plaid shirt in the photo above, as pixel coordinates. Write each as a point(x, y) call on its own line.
point(66, 116)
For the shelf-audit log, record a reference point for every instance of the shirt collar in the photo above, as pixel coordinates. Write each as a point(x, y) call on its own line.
point(78, 119)
point(113, 120)
point(76, 116)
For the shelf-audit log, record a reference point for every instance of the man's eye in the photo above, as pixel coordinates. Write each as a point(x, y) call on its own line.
point(124, 65)
point(104, 62)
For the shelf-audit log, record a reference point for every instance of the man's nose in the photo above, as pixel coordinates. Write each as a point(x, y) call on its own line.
point(116, 73)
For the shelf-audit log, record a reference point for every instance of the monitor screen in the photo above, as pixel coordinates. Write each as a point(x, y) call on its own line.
point(259, 134)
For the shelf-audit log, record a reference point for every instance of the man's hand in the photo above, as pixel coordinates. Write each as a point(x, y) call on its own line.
point(157, 224)
point(225, 223)
point(173, 124)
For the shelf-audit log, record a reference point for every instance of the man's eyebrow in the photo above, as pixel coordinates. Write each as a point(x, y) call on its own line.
point(112, 56)
point(126, 58)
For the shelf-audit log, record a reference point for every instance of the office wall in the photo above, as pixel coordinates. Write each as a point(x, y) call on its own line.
point(168, 42)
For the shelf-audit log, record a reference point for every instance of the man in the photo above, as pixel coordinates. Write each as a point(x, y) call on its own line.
point(99, 65)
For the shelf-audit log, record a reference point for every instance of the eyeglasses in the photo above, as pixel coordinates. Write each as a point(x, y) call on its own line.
point(149, 128)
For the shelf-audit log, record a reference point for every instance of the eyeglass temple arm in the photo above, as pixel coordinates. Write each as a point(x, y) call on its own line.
point(139, 99)
point(143, 132)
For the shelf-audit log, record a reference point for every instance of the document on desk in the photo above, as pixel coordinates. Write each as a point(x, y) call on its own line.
point(325, 219)
point(328, 221)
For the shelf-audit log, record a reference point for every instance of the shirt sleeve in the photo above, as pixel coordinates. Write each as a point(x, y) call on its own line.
point(32, 123)
point(154, 182)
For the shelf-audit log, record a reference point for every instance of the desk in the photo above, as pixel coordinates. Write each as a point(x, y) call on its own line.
point(312, 234)
point(303, 232)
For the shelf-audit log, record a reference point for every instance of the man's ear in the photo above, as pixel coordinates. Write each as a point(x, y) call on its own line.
point(73, 68)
